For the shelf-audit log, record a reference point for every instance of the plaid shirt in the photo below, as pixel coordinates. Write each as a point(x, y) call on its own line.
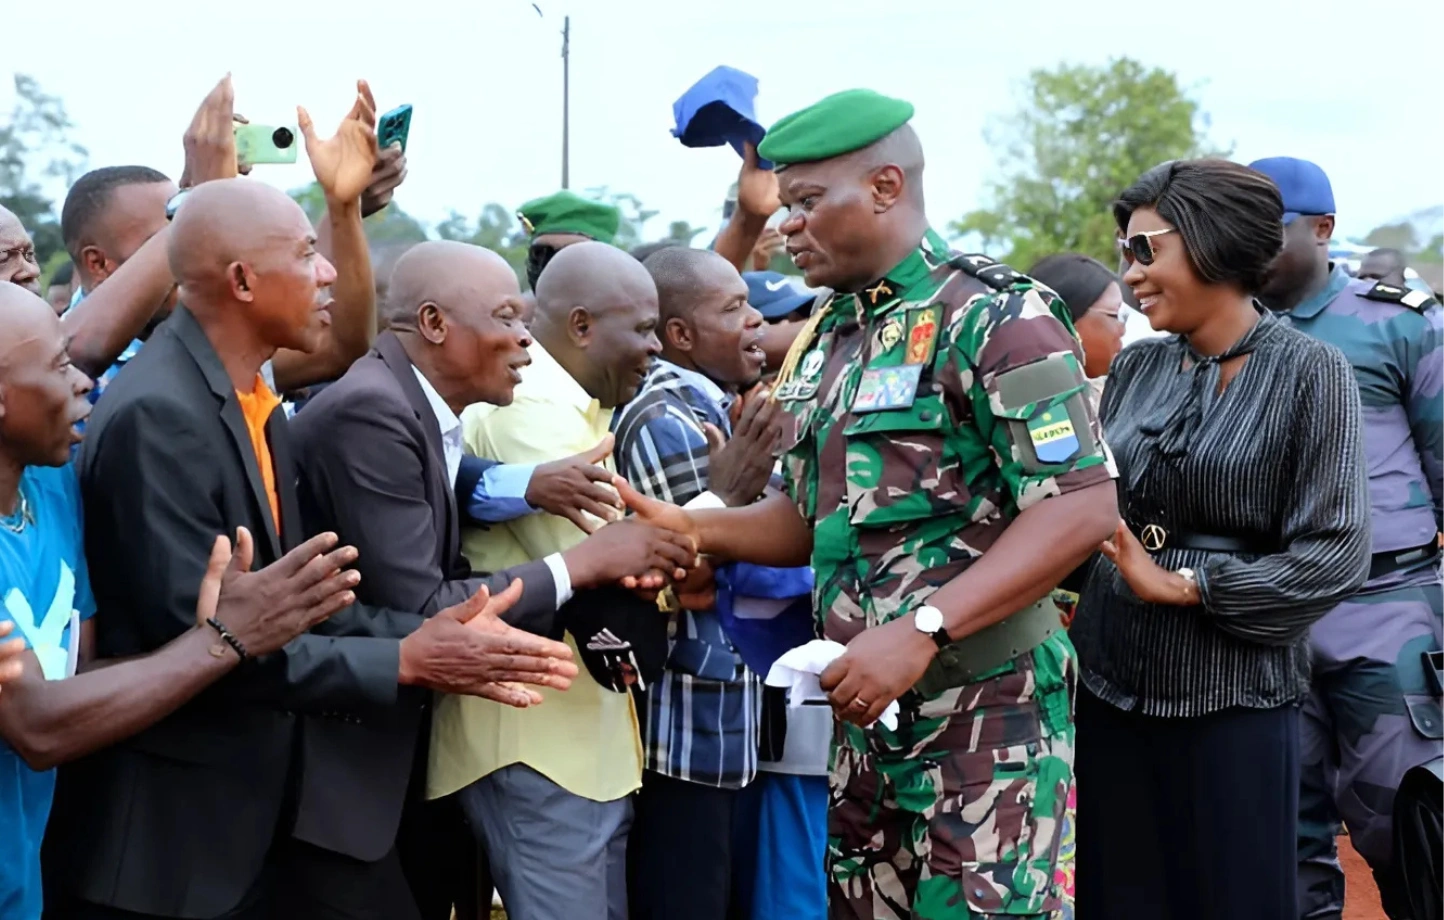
point(702, 715)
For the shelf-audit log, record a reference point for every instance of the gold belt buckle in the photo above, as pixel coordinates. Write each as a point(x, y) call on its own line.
point(1153, 538)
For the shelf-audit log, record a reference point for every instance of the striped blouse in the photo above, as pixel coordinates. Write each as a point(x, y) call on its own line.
point(1275, 459)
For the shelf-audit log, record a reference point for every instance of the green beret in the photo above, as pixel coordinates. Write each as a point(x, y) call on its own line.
point(841, 123)
point(568, 212)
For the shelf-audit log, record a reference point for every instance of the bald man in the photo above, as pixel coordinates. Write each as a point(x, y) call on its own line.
point(192, 443)
point(51, 714)
point(549, 792)
point(380, 451)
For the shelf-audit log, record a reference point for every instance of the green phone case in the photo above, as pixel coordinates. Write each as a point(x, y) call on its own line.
point(394, 127)
point(257, 144)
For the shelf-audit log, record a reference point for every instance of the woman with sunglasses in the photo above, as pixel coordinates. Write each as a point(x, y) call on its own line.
point(1245, 519)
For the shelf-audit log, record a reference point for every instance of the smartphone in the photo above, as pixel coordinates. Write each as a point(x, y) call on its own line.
point(393, 127)
point(257, 144)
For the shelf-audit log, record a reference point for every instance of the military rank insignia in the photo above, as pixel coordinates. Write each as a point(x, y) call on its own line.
point(922, 333)
point(887, 388)
point(526, 224)
point(1054, 439)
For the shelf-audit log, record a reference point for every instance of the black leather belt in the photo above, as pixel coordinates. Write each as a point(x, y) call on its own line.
point(1387, 563)
point(1155, 538)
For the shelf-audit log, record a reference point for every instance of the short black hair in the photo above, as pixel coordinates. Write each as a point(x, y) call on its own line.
point(537, 257)
point(90, 194)
point(1388, 252)
point(1230, 217)
point(64, 274)
point(675, 271)
point(1076, 278)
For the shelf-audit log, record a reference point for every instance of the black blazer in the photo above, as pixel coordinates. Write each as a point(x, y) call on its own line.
point(372, 470)
point(177, 820)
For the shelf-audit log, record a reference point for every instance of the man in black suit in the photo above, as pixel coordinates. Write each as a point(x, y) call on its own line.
point(380, 452)
point(194, 816)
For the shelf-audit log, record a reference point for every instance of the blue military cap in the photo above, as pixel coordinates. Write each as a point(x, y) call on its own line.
point(1304, 186)
point(719, 109)
point(775, 295)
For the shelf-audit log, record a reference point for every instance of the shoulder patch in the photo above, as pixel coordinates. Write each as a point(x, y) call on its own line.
point(1417, 301)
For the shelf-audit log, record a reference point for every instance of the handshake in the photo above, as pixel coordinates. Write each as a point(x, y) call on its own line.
point(467, 648)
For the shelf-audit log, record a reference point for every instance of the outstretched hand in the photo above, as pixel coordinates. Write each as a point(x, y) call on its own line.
point(343, 162)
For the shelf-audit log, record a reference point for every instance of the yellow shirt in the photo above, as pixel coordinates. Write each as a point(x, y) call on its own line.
point(257, 407)
point(584, 739)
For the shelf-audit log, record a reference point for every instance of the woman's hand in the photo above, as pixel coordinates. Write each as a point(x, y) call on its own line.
point(1151, 582)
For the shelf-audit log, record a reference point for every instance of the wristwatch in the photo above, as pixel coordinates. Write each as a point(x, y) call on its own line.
point(929, 621)
point(173, 205)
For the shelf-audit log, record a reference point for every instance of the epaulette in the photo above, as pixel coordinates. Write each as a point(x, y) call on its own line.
point(991, 272)
point(1418, 301)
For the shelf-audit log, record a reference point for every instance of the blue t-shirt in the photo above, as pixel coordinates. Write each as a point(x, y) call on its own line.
point(44, 585)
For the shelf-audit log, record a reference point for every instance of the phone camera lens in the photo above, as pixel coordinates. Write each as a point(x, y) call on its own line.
point(283, 138)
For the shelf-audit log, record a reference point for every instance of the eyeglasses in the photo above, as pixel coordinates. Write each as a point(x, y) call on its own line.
point(24, 253)
point(1139, 247)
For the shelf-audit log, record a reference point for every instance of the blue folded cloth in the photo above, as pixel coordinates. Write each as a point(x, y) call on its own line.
point(761, 642)
point(719, 109)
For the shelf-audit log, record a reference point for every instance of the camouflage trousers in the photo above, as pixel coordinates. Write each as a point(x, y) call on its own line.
point(1369, 718)
point(958, 813)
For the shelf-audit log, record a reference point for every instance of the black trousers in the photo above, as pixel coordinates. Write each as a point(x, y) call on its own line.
point(300, 882)
point(1184, 818)
point(679, 852)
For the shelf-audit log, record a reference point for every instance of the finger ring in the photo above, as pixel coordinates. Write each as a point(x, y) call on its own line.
point(859, 704)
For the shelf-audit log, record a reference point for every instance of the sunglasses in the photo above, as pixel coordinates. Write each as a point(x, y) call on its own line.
point(1139, 247)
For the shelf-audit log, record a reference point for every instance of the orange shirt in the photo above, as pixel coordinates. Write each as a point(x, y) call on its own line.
point(257, 407)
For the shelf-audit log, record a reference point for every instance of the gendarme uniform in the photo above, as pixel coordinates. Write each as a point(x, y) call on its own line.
point(1373, 711)
point(932, 408)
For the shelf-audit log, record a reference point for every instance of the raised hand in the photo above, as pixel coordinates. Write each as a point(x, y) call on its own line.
point(386, 176)
point(264, 610)
point(757, 192)
point(577, 488)
point(343, 163)
point(210, 140)
point(738, 469)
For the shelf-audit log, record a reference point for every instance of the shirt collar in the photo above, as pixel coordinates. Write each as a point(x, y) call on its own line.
point(1313, 306)
point(445, 418)
point(701, 382)
point(545, 372)
point(881, 295)
point(260, 401)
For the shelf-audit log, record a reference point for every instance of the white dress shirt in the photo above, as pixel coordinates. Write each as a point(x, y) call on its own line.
point(452, 450)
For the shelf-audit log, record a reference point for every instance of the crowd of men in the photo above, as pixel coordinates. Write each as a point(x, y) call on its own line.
point(361, 584)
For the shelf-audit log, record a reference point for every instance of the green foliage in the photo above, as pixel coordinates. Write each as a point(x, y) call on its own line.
point(1433, 250)
point(682, 233)
point(1398, 236)
point(496, 229)
point(634, 216)
point(1081, 135)
point(38, 161)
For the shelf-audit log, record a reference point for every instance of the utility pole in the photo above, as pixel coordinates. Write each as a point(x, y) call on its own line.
point(566, 98)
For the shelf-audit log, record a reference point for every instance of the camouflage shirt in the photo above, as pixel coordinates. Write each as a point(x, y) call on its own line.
point(931, 409)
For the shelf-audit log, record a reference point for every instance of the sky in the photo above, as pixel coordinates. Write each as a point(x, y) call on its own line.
point(1335, 82)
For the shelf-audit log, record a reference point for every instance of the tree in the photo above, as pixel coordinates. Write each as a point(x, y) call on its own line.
point(1398, 236)
point(682, 232)
point(38, 162)
point(1081, 136)
point(495, 229)
point(389, 225)
point(633, 218)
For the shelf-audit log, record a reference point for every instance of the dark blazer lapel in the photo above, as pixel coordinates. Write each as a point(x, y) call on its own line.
point(193, 338)
point(389, 348)
point(284, 466)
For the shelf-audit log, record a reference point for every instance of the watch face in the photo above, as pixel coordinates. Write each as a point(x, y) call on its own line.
point(929, 619)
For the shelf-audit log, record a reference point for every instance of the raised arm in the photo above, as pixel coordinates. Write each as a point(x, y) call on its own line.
point(757, 201)
point(343, 166)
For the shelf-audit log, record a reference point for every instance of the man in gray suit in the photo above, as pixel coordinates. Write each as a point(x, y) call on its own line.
point(380, 452)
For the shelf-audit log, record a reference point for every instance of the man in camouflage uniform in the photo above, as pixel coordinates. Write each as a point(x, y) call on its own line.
point(939, 400)
point(1373, 712)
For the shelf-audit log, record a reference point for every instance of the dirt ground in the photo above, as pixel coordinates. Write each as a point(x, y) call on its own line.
point(1363, 897)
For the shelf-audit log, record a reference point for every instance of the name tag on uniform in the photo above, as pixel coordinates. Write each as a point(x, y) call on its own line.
point(887, 388)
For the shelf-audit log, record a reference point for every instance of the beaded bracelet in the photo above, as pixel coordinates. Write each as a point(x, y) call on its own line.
point(228, 636)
